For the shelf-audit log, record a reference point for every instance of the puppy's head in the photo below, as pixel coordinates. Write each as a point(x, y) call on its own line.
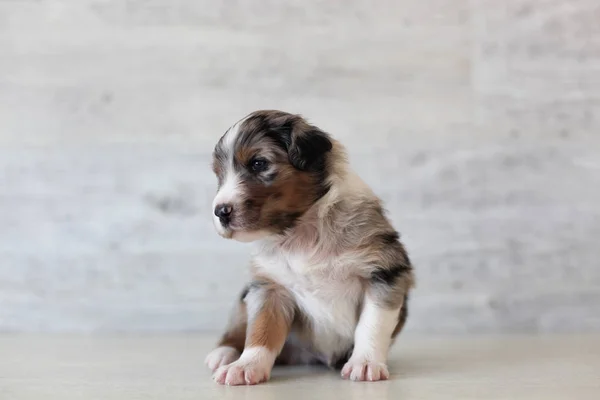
point(271, 167)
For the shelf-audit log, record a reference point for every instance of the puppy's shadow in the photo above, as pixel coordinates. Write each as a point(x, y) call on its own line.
point(423, 362)
point(284, 373)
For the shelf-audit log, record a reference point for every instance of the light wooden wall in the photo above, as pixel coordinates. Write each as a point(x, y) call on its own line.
point(476, 121)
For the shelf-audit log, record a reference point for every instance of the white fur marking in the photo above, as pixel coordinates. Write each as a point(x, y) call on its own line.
point(372, 341)
point(328, 299)
point(231, 136)
point(230, 189)
point(227, 194)
point(374, 331)
point(254, 301)
point(254, 366)
point(223, 355)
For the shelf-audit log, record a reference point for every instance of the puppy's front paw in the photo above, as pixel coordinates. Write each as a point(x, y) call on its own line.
point(252, 368)
point(220, 356)
point(361, 369)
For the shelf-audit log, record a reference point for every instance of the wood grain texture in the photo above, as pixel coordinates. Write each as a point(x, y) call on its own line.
point(537, 67)
point(145, 367)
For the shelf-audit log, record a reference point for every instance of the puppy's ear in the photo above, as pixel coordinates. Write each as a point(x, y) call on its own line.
point(305, 144)
point(309, 146)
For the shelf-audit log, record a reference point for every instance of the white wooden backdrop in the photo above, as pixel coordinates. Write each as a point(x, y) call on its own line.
point(477, 121)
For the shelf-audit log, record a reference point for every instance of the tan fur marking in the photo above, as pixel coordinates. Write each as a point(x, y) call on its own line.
point(235, 333)
point(269, 329)
point(244, 154)
point(271, 324)
point(401, 318)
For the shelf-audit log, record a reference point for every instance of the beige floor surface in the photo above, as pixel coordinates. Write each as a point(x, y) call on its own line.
point(171, 367)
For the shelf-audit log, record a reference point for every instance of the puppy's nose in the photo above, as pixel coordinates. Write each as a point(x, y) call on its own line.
point(223, 211)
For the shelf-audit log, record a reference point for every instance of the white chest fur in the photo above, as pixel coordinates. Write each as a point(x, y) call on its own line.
point(325, 292)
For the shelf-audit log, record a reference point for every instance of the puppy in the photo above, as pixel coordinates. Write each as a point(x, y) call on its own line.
point(330, 278)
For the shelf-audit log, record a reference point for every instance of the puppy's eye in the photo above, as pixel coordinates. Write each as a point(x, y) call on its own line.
point(259, 164)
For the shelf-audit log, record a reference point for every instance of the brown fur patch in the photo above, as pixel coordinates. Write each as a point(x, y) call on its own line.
point(269, 329)
point(235, 333)
point(292, 193)
point(274, 313)
point(402, 317)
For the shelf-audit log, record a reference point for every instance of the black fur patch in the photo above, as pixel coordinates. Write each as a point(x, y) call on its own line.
point(308, 149)
point(245, 292)
point(388, 276)
point(284, 220)
point(340, 361)
point(403, 313)
point(281, 135)
point(389, 237)
point(271, 177)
